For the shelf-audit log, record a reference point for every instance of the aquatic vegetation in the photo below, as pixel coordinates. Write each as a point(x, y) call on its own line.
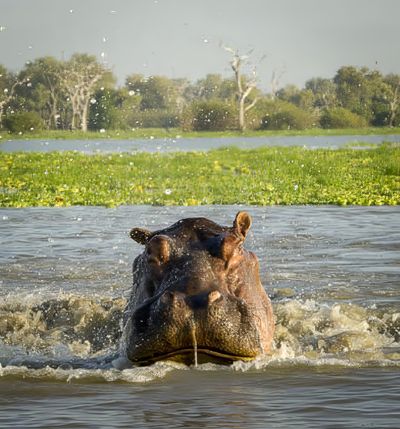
point(263, 176)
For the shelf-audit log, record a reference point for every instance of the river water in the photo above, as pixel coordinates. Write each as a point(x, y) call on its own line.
point(176, 144)
point(333, 274)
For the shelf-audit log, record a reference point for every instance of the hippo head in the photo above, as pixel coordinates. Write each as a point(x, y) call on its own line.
point(196, 295)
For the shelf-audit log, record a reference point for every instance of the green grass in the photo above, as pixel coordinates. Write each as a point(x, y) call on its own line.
point(148, 133)
point(228, 176)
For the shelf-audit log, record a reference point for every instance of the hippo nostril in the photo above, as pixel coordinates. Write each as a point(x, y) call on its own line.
point(213, 296)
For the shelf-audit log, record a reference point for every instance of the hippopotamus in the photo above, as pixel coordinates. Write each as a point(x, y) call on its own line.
point(197, 296)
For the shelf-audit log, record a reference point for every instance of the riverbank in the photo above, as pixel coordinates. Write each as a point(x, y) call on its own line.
point(265, 176)
point(176, 133)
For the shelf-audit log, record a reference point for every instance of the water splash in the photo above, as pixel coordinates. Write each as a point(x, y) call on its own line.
point(77, 333)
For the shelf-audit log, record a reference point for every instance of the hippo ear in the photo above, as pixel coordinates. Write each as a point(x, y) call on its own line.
point(242, 223)
point(140, 235)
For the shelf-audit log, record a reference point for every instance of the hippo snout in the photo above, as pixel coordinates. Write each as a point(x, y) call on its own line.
point(218, 325)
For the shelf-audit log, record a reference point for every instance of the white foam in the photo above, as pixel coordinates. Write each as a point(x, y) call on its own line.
point(132, 375)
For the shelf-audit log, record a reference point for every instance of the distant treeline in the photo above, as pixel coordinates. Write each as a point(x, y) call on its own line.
point(81, 93)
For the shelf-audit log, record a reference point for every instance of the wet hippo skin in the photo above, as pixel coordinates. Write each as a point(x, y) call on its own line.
point(196, 296)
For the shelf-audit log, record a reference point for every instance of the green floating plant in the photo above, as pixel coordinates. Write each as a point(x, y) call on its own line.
point(263, 176)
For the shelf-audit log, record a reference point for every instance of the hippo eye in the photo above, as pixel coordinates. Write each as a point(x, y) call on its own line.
point(158, 250)
point(229, 245)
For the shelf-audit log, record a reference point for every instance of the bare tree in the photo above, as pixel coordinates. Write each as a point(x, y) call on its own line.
point(393, 81)
point(275, 82)
point(80, 76)
point(394, 105)
point(244, 86)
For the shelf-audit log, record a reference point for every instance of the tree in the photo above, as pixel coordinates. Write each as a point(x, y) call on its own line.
point(214, 87)
point(209, 87)
point(112, 109)
point(303, 98)
point(8, 85)
point(45, 93)
point(161, 100)
point(324, 91)
point(79, 78)
point(358, 89)
point(393, 96)
point(182, 86)
point(275, 82)
point(244, 87)
point(157, 92)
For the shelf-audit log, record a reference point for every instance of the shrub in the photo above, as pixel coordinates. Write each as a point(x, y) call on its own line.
point(154, 118)
point(23, 121)
point(103, 112)
point(254, 116)
point(382, 116)
point(213, 115)
point(339, 117)
point(280, 115)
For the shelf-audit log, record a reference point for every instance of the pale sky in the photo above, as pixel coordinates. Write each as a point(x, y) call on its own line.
point(182, 38)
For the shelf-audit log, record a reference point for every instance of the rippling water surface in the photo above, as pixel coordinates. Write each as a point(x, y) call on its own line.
point(333, 274)
point(174, 143)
